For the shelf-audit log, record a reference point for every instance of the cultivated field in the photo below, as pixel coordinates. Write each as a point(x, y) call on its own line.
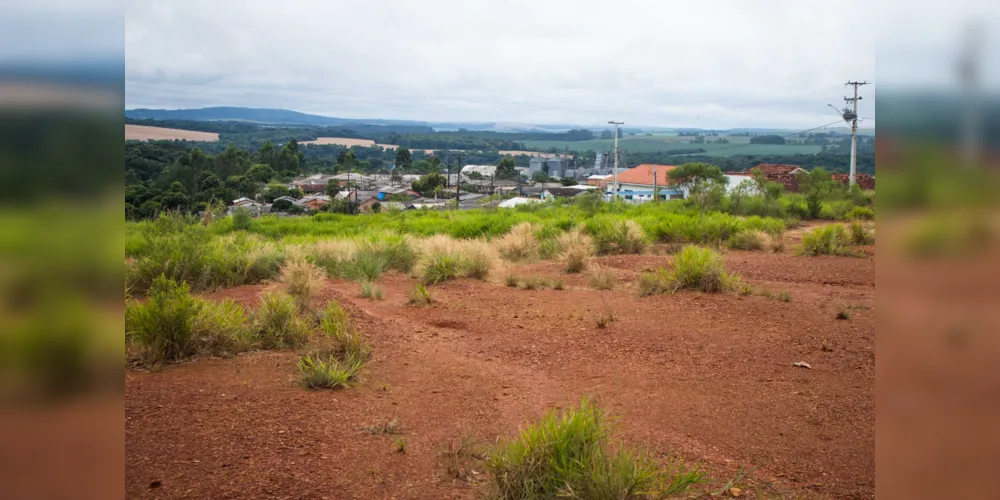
point(651, 144)
point(349, 142)
point(144, 133)
point(755, 367)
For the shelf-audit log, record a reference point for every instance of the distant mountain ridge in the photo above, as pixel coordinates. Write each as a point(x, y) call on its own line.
point(256, 115)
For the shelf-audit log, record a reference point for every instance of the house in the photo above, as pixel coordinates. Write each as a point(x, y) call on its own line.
point(428, 203)
point(599, 181)
point(365, 199)
point(312, 184)
point(314, 202)
point(637, 185)
point(864, 181)
point(780, 173)
point(734, 179)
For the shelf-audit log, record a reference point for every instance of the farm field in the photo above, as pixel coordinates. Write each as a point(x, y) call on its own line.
point(146, 133)
point(349, 142)
point(651, 144)
point(709, 378)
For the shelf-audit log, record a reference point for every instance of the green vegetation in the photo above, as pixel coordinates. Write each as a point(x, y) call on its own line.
point(826, 240)
point(277, 324)
point(616, 236)
point(300, 279)
point(419, 295)
point(163, 326)
point(694, 268)
point(328, 370)
point(861, 234)
point(747, 240)
point(570, 454)
point(370, 290)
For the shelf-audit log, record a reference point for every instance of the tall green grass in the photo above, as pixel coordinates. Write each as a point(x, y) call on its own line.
point(163, 327)
point(826, 240)
point(570, 454)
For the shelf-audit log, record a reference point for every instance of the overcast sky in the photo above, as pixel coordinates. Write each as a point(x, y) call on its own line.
point(773, 63)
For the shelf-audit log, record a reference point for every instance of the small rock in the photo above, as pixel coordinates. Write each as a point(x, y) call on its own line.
point(802, 364)
point(155, 484)
point(735, 492)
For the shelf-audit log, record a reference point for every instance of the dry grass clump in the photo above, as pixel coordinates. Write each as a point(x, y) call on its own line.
point(370, 291)
point(576, 250)
point(520, 243)
point(617, 236)
point(601, 278)
point(300, 279)
point(443, 258)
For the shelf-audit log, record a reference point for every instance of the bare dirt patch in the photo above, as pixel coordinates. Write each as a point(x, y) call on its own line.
point(145, 133)
point(707, 377)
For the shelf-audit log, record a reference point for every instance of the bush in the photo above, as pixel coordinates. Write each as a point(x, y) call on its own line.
point(276, 322)
point(242, 220)
point(300, 279)
point(861, 213)
point(576, 250)
point(826, 240)
point(601, 279)
point(419, 295)
point(328, 370)
point(220, 328)
point(569, 454)
point(861, 235)
point(654, 283)
point(616, 236)
point(520, 243)
point(700, 269)
point(747, 240)
point(371, 291)
point(443, 259)
point(163, 327)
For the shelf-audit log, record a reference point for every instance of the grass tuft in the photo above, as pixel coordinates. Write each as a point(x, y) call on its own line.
point(328, 369)
point(511, 280)
point(302, 280)
point(164, 326)
point(276, 322)
point(370, 291)
point(826, 240)
point(601, 278)
point(419, 295)
point(520, 243)
point(747, 240)
point(220, 328)
point(861, 234)
point(576, 249)
point(569, 454)
point(616, 236)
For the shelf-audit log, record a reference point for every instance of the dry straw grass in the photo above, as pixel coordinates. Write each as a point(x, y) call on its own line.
point(301, 279)
point(520, 243)
point(442, 258)
point(576, 250)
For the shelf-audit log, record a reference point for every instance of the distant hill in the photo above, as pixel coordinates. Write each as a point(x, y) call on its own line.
point(255, 115)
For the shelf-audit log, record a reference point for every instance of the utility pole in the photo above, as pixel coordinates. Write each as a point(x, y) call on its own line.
point(851, 116)
point(616, 124)
point(458, 181)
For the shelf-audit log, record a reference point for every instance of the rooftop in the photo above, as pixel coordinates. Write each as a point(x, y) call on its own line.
point(643, 174)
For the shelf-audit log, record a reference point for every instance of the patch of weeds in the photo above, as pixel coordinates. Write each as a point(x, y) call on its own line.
point(461, 456)
point(558, 285)
point(570, 454)
point(653, 283)
point(220, 328)
point(328, 369)
point(826, 346)
point(163, 327)
point(784, 296)
point(826, 240)
point(300, 279)
point(333, 321)
point(419, 295)
point(534, 283)
point(616, 236)
point(400, 445)
point(511, 280)
point(860, 234)
point(367, 266)
point(576, 250)
point(601, 279)
point(370, 291)
point(390, 427)
point(520, 243)
point(767, 294)
point(606, 318)
point(701, 269)
point(350, 343)
point(747, 240)
point(276, 322)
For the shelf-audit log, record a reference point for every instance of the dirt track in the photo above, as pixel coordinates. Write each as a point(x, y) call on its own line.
point(706, 377)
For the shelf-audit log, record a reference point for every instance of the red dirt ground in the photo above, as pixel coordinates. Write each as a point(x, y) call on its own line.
point(708, 378)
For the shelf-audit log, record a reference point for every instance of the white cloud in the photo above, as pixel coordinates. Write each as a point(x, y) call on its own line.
point(704, 64)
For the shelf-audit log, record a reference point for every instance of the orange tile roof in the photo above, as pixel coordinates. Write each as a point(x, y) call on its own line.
point(643, 174)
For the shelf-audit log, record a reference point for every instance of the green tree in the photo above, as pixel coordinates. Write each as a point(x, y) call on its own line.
point(403, 158)
point(282, 205)
point(175, 198)
point(267, 154)
point(261, 173)
point(540, 177)
point(705, 183)
point(273, 191)
point(232, 161)
point(429, 183)
point(332, 188)
point(505, 169)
